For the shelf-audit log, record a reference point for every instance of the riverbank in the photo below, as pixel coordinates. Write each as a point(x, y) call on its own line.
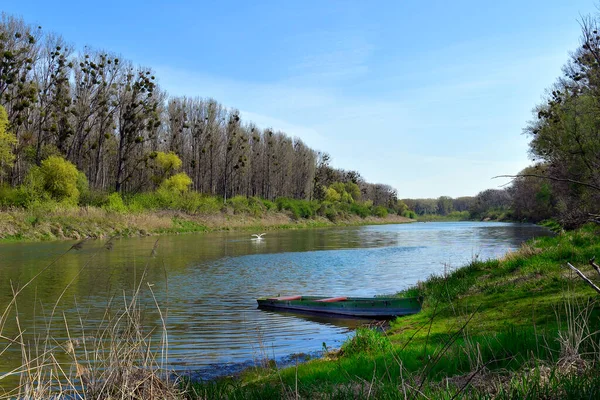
point(523, 326)
point(76, 223)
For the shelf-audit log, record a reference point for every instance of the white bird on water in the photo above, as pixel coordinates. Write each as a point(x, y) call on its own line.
point(258, 236)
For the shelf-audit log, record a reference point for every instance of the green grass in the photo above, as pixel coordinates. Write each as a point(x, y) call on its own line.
point(505, 321)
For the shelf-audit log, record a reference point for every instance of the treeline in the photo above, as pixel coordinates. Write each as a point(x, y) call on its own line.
point(496, 204)
point(111, 119)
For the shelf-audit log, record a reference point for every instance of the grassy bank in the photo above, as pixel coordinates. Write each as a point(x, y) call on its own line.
point(523, 326)
point(59, 222)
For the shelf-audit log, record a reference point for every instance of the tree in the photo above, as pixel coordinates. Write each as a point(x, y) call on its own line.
point(532, 198)
point(138, 122)
point(444, 205)
point(564, 134)
point(7, 144)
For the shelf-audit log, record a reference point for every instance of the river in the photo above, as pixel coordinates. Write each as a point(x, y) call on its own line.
point(206, 284)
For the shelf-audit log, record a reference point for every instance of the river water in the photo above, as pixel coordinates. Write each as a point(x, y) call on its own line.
point(207, 284)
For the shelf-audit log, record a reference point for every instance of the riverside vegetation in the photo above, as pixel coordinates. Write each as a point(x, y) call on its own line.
point(55, 203)
point(90, 129)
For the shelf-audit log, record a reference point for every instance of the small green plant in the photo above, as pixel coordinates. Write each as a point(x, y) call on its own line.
point(366, 341)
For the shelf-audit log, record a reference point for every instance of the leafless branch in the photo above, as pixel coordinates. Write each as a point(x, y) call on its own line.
point(585, 278)
point(596, 266)
point(552, 178)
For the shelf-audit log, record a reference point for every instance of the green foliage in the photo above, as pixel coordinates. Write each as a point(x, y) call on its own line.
point(239, 204)
point(344, 192)
point(269, 205)
point(178, 183)
point(332, 195)
point(82, 184)
point(14, 197)
point(168, 162)
point(366, 341)
point(298, 208)
point(58, 178)
point(380, 212)
point(410, 214)
point(140, 202)
point(200, 204)
point(360, 209)
point(115, 203)
point(444, 205)
point(7, 143)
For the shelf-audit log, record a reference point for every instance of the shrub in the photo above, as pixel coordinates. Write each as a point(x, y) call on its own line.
point(360, 209)
point(239, 204)
point(13, 197)
point(269, 205)
point(255, 206)
point(194, 202)
point(298, 208)
point(411, 214)
point(332, 195)
point(58, 178)
point(380, 211)
point(114, 203)
point(178, 183)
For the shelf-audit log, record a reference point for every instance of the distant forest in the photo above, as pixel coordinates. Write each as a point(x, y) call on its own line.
point(111, 119)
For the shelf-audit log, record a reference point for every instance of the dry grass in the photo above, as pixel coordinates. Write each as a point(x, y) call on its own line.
point(61, 222)
point(120, 358)
point(525, 251)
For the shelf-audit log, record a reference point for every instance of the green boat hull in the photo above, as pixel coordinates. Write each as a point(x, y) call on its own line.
point(377, 307)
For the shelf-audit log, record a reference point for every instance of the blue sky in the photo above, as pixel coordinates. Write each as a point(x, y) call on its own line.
point(428, 96)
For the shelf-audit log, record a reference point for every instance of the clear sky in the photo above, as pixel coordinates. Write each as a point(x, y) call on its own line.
point(428, 96)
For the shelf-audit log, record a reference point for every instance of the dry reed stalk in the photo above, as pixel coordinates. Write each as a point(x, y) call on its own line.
point(118, 361)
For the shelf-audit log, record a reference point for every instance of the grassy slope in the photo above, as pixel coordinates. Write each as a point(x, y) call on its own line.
point(479, 323)
point(92, 222)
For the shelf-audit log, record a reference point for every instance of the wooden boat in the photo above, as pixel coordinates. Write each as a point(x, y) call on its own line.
point(373, 307)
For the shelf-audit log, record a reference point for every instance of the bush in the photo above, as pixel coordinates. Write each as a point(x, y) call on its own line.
point(197, 203)
point(269, 205)
point(178, 183)
point(142, 202)
point(298, 208)
point(114, 203)
point(256, 206)
point(239, 204)
point(13, 197)
point(411, 214)
point(360, 209)
point(380, 211)
point(58, 178)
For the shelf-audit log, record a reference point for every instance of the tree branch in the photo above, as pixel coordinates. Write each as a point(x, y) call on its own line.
point(552, 178)
point(593, 264)
point(585, 278)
